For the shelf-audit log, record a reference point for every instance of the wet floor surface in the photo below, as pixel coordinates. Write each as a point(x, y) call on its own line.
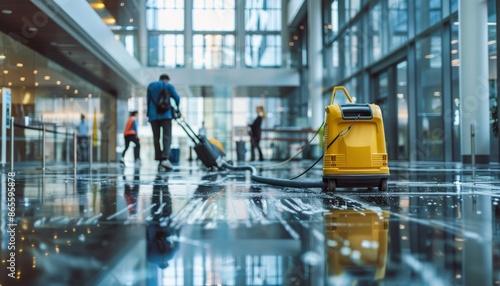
point(435, 225)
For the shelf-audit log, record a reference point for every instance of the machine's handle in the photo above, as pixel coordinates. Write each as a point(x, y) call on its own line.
point(344, 90)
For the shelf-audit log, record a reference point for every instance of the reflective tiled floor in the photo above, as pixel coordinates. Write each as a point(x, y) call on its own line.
point(436, 225)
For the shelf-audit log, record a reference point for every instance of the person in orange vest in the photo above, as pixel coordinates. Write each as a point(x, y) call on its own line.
point(131, 135)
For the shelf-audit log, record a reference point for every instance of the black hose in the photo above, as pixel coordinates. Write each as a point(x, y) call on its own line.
point(275, 181)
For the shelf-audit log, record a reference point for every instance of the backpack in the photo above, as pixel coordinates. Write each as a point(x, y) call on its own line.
point(163, 104)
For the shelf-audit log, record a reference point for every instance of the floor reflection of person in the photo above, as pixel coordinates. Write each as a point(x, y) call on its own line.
point(81, 190)
point(131, 192)
point(161, 245)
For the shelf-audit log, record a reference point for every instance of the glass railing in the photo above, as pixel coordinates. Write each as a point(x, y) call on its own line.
point(47, 144)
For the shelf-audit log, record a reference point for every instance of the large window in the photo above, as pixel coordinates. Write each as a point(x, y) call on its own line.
point(455, 90)
point(214, 15)
point(263, 15)
point(212, 51)
point(263, 50)
point(427, 13)
point(263, 38)
point(376, 29)
point(352, 49)
point(166, 50)
point(165, 21)
point(165, 15)
point(398, 22)
point(430, 129)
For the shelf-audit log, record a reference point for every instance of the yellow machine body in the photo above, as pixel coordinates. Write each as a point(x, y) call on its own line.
point(358, 156)
point(357, 243)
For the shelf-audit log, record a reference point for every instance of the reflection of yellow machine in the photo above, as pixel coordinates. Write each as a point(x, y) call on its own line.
point(354, 145)
point(357, 243)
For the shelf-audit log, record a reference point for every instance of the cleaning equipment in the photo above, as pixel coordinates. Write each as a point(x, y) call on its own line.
point(354, 145)
point(209, 151)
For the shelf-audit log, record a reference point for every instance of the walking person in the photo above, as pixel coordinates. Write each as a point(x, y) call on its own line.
point(161, 122)
point(131, 134)
point(255, 133)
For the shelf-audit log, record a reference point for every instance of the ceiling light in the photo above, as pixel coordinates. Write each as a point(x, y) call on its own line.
point(2, 57)
point(8, 12)
point(36, 83)
point(35, 71)
point(58, 82)
point(22, 78)
point(47, 77)
point(19, 65)
point(109, 20)
point(68, 87)
point(97, 5)
point(5, 71)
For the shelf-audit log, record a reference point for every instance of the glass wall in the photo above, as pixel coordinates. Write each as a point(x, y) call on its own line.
point(429, 81)
point(427, 13)
point(493, 77)
point(422, 67)
point(46, 95)
point(397, 23)
point(402, 151)
point(455, 88)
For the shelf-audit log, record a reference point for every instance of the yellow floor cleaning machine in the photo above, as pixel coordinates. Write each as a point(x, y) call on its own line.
point(354, 145)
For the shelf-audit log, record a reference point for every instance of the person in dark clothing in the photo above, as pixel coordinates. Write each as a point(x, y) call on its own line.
point(131, 135)
point(255, 133)
point(161, 120)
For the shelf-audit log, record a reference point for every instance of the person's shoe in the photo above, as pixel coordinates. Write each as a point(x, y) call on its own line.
point(167, 165)
point(138, 162)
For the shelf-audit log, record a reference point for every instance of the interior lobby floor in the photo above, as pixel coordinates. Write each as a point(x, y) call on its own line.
point(437, 224)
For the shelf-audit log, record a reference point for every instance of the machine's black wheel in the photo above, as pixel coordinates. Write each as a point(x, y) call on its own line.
point(382, 187)
point(331, 185)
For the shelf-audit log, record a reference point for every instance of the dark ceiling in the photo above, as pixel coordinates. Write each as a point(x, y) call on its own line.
point(23, 21)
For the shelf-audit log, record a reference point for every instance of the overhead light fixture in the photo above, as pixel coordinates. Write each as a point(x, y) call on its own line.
point(6, 11)
point(19, 65)
point(97, 5)
point(109, 20)
point(2, 57)
point(22, 78)
point(47, 77)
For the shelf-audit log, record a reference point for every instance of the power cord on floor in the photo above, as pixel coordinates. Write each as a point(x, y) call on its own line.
point(289, 182)
point(297, 154)
point(341, 133)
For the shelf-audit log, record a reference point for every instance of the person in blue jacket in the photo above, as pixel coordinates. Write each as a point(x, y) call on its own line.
point(161, 121)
